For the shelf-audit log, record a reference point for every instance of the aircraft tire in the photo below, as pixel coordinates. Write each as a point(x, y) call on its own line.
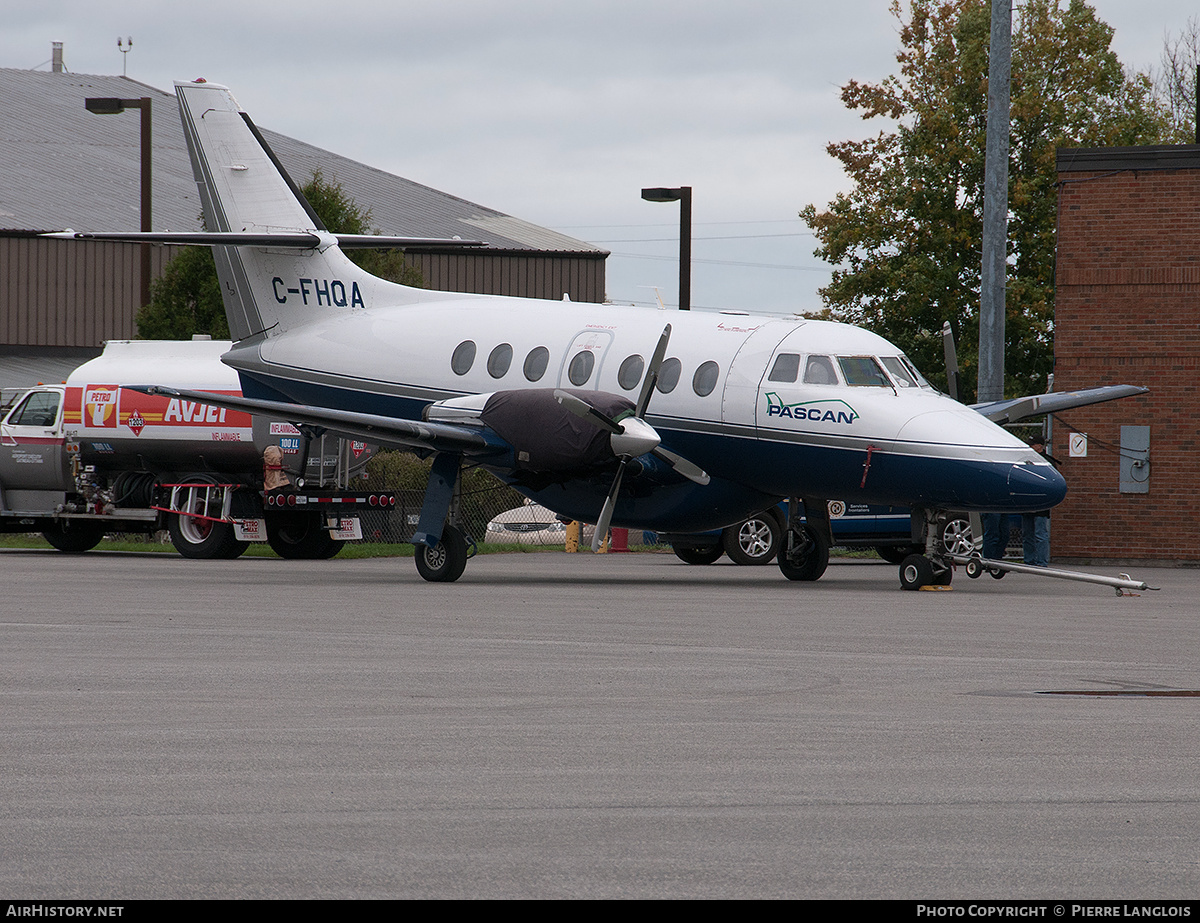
point(75, 538)
point(809, 561)
point(916, 571)
point(445, 561)
point(301, 537)
point(697, 554)
point(754, 541)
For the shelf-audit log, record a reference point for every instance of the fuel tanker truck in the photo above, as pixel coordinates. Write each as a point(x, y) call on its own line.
point(88, 457)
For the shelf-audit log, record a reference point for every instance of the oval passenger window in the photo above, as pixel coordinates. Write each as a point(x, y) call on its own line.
point(463, 358)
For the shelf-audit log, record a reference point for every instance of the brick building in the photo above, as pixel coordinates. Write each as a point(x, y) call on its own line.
point(1127, 310)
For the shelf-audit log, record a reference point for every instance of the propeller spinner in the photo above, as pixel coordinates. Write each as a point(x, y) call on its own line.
point(631, 436)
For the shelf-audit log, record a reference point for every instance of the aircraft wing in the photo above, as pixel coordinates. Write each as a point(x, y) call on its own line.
point(409, 434)
point(1036, 405)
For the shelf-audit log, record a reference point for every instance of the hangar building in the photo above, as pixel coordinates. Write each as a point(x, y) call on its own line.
point(65, 167)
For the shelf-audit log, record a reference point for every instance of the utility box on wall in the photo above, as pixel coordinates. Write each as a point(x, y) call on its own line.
point(1135, 459)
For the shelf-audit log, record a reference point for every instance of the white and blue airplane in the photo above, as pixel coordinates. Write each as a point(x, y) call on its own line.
point(595, 411)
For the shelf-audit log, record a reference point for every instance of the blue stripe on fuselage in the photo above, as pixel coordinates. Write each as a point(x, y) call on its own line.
point(746, 471)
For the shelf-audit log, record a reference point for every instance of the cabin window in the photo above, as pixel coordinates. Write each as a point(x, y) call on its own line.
point(536, 362)
point(705, 378)
point(630, 372)
point(668, 375)
point(580, 369)
point(499, 360)
point(39, 409)
point(786, 367)
point(819, 371)
point(463, 358)
point(863, 370)
point(900, 374)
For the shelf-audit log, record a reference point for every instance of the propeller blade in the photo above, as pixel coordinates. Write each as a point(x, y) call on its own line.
point(651, 379)
point(951, 360)
point(682, 466)
point(582, 408)
point(606, 513)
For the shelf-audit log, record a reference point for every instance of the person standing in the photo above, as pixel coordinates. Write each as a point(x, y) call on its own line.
point(1035, 527)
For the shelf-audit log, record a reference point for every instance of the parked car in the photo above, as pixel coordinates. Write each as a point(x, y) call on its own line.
point(887, 529)
point(532, 524)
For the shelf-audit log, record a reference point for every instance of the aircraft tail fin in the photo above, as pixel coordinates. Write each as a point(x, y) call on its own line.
point(244, 189)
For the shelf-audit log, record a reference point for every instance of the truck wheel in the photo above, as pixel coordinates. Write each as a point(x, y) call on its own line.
point(301, 536)
point(203, 539)
point(697, 554)
point(754, 541)
point(445, 561)
point(75, 538)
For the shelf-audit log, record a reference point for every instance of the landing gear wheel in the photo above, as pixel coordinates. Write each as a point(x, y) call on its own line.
point(755, 541)
point(697, 554)
point(445, 561)
point(808, 559)
point(75, 538)
point(301, 537)
point(943, 577)
point(916, 571)
point(203, 539)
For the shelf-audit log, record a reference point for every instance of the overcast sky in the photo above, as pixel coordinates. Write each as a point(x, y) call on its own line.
point(555, 112)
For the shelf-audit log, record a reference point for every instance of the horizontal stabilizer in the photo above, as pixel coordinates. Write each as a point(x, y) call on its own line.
point(299, 240)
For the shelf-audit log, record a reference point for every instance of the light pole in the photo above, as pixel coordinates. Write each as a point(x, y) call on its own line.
point(682, 195)
point(111, 105)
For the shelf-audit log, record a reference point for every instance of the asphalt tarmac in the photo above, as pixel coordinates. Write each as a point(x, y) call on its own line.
point(590, 726)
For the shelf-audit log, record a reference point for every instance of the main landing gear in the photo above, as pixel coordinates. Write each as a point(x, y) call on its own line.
point(441, 547)
point(804, 552)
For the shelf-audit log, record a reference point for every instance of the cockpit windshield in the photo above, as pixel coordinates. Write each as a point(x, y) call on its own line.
point(863, 371)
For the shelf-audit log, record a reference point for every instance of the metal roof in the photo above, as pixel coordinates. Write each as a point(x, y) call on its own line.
point(1145, 157)
point(65, 167)
point(19, 371)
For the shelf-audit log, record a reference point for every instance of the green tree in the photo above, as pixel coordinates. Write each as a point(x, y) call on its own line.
point(905, 240)
point(186, 299)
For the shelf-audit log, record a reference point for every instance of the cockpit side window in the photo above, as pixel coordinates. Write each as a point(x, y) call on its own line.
point(786, 367)
point(863, 370)
point(819, 371)
point(917, 376)
point(901, 375)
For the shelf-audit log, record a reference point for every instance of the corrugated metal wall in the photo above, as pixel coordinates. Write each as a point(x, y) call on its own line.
point(514, 274)
point(56, 293)
point(69, 293)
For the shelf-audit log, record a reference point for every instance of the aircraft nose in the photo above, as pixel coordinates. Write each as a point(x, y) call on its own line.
point(1041, 485)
